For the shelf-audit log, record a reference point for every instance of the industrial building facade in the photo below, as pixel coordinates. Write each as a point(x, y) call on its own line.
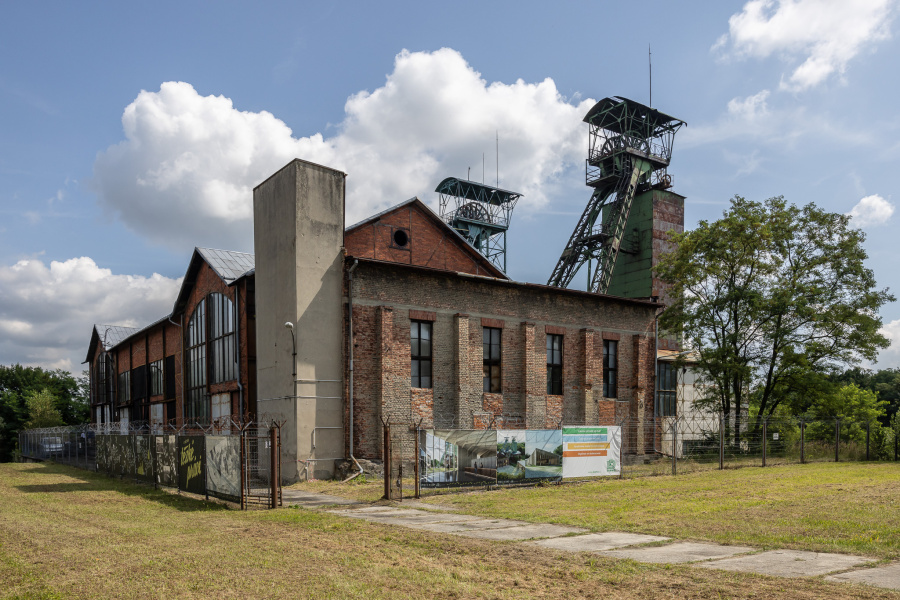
point(334, 330)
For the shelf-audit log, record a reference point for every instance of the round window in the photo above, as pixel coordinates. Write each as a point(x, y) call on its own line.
point(401, 238)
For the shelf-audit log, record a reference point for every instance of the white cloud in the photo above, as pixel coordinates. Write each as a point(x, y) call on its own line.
point(871, 210)
point(824, 34)
point(185, 172)
point(890, 357)
point(46, 311)
point(750, 108)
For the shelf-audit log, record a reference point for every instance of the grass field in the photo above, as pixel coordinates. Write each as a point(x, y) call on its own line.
point(851, 508)
point(68, 533)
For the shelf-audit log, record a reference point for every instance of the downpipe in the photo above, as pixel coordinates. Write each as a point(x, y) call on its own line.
point(350, 341)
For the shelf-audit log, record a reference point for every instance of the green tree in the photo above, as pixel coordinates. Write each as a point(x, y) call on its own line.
point(42, 410)
point(854, 406)
point(71, 400)
point(772, 297)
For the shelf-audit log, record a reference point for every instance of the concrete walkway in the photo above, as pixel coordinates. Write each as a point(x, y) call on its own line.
point(639, 547)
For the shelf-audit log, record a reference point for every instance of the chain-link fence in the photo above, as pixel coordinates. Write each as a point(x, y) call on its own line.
point(230, 460)
point(427, 460)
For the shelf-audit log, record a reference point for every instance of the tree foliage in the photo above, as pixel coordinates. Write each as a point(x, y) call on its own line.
point(41, 410)
point(69, 396)
point(772, 297)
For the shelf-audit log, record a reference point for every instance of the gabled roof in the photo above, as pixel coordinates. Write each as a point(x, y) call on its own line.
point(108, 336)
point(229, 265)
point(441, 224)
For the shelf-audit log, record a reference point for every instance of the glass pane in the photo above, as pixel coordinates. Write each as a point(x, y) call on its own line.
point(425, 371)
point(549, 344)
point(486, 336)
point(549, 355)
point(495, 352)
point(414, 371)
point(425, 332)
point(414, 346)
point(426, 382)
point(425, 348)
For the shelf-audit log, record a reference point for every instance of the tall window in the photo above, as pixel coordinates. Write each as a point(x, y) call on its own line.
point(491, 337)
point(554, 364)
point(610, 367)
point(156, 378)
point(125, 387)
point(221, 335)
point(196, 408)
point(420, 344)
point(666, 389)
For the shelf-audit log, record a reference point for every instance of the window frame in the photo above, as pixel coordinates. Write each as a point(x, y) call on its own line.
point(123, 392)
point(195, 405)
point(554, 364)
point(221, 338)
point(418, 358)
point(610, 368)
point(157, 377)
point(492, 361)
point(666, 397)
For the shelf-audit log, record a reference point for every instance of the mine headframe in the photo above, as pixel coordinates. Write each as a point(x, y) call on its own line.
point(480, 213)
point(629, 149)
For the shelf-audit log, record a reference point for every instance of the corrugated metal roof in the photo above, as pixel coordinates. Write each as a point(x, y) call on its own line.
point(228, 264)
point(110, 335)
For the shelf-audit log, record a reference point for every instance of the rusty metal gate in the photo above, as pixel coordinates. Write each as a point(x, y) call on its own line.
point(400, 465)
point(261, 466)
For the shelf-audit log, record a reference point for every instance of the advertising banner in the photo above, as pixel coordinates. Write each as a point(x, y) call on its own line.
point(191, 464)
point(591, 451)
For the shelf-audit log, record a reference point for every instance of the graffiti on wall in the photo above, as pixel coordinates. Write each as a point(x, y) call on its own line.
point(191, 459)
point(223, 466)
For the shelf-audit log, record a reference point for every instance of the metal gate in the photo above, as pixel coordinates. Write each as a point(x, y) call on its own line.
point(400, 465)
point(261, 467)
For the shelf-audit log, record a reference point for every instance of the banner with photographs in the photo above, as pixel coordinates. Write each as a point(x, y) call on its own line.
point(471, 457)
point(591, 451)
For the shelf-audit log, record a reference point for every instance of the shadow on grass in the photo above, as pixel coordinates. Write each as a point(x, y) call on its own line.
point(98, 482)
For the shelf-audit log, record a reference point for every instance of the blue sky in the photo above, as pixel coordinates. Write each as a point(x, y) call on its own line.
point(131, 134)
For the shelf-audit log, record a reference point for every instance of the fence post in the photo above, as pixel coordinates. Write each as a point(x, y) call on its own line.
point(868, 430)
point(721, 442)
point(837, 439)
point(274, 465)
point(416, 471)
point(802, 441)
point(674, 444)
point(765, 435)
point(387, 462)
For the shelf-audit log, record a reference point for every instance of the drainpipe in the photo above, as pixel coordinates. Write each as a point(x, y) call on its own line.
point(237, 348)
point(182, 365)
point(350, 339)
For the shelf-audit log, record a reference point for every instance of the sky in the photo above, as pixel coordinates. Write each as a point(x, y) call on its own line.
point(129, 134)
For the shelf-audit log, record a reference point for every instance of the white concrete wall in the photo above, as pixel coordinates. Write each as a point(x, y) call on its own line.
point(298, 226)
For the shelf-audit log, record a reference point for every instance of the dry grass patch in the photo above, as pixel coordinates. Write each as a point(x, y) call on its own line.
point(66, 533)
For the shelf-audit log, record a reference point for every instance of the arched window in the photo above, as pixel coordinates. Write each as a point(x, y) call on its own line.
point(222, 360)
point(195, 408)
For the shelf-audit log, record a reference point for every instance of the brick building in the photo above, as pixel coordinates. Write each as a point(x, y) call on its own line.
point(334, 329)
point(138, 375)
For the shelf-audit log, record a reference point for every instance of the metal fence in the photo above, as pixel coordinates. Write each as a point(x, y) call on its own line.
point(237, 462)
point(419, 461)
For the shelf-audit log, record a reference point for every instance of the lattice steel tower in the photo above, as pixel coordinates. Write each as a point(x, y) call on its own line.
point(629, 149)
point(480, 213)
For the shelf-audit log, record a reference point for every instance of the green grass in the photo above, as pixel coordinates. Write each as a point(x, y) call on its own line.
point(66, 533)
point(826, 507)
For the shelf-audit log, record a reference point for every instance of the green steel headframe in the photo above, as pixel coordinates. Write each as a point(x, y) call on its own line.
point(629, 149)
point(480, 213)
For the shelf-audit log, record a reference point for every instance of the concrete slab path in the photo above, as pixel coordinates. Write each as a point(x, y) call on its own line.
point(789, 563)
point(679, 552)
point(445, 519)
point(598, 542)
point(887, 576)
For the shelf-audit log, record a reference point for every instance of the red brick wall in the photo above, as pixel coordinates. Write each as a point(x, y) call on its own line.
point(383, 297)
point(431, 244)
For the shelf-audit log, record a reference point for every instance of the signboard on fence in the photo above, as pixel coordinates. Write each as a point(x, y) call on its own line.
point(591, 451)
point(191, 463)
point(223, 467)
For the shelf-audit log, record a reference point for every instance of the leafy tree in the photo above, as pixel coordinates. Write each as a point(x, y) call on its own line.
point(854, 406)
point(886, 382)
point(41, 410)
point(772, 296)
point(71, 400)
